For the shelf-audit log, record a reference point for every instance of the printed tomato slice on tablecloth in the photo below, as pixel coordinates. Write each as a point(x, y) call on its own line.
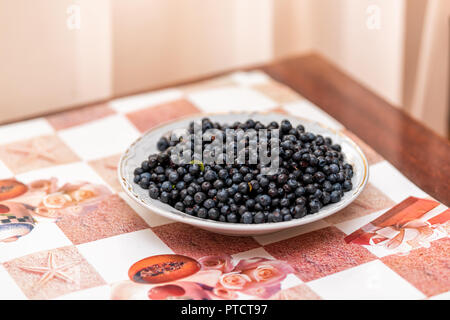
point(163, 268)
point(11, 188)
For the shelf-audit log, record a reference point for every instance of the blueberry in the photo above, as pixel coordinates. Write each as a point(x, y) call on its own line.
point(311, 136)
point(259, 217)
point(300, 191)
point(297, 156)
point(285, 126)
point(232, 218)
point(188, 200)
point(325, 198)
point(183, 193)
point(212, 193)
point(237, 197)
point(166, 186)
point(265, 200)
point(206, 186)
point(174, 194)
point(300, 201)
point(144, 183)
point(282, 178)
point(191, 190)
point(319, 177)
point(263, 182)
point(243, 187)
point(348, 173)
point(334, 168)
point(179, 206)
point(188, 178)
point(210, 175)
point(194, 169)
point(248, 177)
point(310, 170)
point(146, 175)
point(163, 158)
point(181, 171)
point(337, 187)
point(284, 202)
point(202, 213)
point(275, 217)
point(317, 194)
point(213, 213)
point(196, 186)
point(225, 210)
point(314, 206)
point(199, 197)
point(335, 196)
point(244, 170)
point(164, 197)
point(209, 203)
point(247, 218)
point(222, 195)
point(336, 147)
point(144, 166)
point(255, 186)
point(347, 185)
point(310, 189)
point(333, 178)
point(237, 177)
point(218, 184)
point(180, 185)
point(223, 174)
point(307, 178)
point(327, 186)
point(292, 183)
point(321, 162)
point(273, 192)
point(299, 211)
point(162, 144)
point(250, 203)
point(200, 180)
point(153, 192)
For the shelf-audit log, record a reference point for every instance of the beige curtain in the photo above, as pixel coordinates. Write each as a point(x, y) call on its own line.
point(128, 46)
point(430, 95)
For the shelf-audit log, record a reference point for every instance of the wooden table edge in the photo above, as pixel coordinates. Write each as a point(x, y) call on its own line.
point(360, 110)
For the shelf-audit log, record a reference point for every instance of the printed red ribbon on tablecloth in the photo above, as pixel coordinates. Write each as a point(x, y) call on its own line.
point(413, 222)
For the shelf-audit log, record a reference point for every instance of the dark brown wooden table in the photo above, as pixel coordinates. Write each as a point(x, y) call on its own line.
point(419, 153)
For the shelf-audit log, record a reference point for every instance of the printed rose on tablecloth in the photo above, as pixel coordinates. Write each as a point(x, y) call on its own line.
point(234, 281)
point(72, 199)
point(218, 278)
point(222, 263)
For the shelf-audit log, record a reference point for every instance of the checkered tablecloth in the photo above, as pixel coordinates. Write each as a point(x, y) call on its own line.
point(56, 245)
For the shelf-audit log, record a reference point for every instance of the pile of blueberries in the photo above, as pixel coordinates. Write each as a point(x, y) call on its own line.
point(312, 173)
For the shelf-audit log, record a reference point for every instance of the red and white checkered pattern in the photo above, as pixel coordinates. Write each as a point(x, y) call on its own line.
point(86, 145)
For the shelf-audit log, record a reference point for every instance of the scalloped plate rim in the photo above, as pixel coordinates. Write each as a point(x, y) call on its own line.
point(227, 227)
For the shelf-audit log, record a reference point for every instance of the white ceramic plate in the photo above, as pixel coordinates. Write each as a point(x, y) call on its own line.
point(146, 145)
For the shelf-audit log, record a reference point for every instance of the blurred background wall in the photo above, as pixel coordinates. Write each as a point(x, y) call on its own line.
point(124, 47)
